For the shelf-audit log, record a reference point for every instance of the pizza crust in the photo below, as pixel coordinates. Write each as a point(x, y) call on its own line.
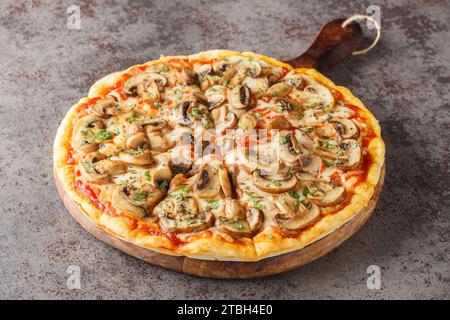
point(263, 245)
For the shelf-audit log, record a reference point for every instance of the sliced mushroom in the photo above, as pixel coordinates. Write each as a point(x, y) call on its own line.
point(306, 214)
point(158, 141)
point(112, 167)
point(207, 183)
point(326, 130)
point(179, 213)
point(88, 170)
point(279, 90)
point(286, 104)
point(347, 128)
point(289, 149)
point(314, 95)
point(353, 154)
point(138, 83)
point(162, 177)
point(138, 140)
point(324, 194)
point(279, 123)
point(154, 125)
point(226, 120)
point(105, 108)
point(265, 183)
point(136, 203)
point(216, 95)
point(225, 183)
point(184, 118)
point(239, 224)
point(180, 165)
point(84, 133)
point(202, 73)
point(256, 85)
point(139, 157)
point(311, 164)
point(294, 80)
point(228, 74)
point(186, 75)
point(187, 224)
point(239, 97)
point(248, 121)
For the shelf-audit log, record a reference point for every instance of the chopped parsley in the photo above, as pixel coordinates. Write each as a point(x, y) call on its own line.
point(257, 204)
point(164, 68)
point(184, 188)
point(103, 135)
point(197, 112)
point(296, 196)
point(305, 191)
point(163, 185)
point(140, 196)
point(148, 176)
point(212, 204)
point(283, 139)
point(133, 117)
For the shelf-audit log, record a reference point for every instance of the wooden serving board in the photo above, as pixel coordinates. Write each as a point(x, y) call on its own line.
point(332, 44)
point(229, 269)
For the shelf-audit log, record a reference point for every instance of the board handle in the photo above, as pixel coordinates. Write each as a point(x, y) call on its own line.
point(333, 44)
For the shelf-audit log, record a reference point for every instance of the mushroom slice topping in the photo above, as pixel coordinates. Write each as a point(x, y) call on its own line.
point(105, 108)
point(179, 213)
point(265, 183)
point(186, 75)
point(202, 73)
point(216, 95)
point(353, 152)
point(180, 165)
point(85, 132)
point(347, 128)
point(207, 183)
point(256, 85)
point(326, 130)
point(306, 214)
point(135, 203)
point(324, 194)
point(225, 182)
point(289, 149)
point(154, 125)
point(315, 96)
point(112, 167)
point(294, 80)
point(157, 141)
point(239, 224)
point(188, 224)
point(248, 121)
point(279, 123)
point(279, 90)
point(162, 177)
point(224, 120)
point(89, 171)
point(138, 140)
point(139, 83)
point(311, 164)
point(139, 157)
point(239, 97)
point(286, 104)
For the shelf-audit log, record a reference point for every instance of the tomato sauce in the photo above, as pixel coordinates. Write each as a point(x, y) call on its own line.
point(70, 159)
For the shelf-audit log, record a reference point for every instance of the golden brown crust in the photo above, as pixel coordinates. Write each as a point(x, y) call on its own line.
point(212, 246)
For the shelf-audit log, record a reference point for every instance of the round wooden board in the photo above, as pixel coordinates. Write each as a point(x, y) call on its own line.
point(229, 269)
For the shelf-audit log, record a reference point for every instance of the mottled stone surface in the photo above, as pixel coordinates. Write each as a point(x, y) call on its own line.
point(46, 67)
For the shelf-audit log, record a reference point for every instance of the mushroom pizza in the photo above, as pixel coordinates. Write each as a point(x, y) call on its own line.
point(219, 155)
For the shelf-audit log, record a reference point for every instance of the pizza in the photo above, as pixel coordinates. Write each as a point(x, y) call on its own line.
point(219, 155)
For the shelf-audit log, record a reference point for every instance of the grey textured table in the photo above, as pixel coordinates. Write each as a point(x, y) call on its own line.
point(45, 67)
